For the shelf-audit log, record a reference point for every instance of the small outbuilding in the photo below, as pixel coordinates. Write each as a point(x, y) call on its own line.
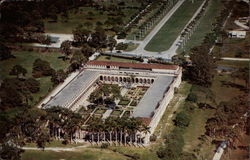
point(237, 34)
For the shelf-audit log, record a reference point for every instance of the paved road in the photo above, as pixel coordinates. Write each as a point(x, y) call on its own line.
point(57, 149)
point(235, 59)
point(218, 155)
point(140, 48)
point(168, 54)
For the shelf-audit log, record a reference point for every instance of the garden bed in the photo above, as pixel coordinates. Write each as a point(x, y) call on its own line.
point(124, 102)
point(133, 103)
point(100, 111)
point(116, 113)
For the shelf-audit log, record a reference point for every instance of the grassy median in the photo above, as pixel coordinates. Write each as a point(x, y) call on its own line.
point(172, 28)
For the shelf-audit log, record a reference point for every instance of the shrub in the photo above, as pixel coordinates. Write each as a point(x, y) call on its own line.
point(153, 138)
point(104, 145)
point(33, 85)
point(182, 119)
point(121, 46)
point(192, 97)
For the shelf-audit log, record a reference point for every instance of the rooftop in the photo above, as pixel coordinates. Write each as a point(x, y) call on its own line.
point(152, 97)
point(74, 89)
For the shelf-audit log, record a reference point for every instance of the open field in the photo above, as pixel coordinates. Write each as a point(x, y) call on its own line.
point(195, 129)
point(116, 59)
point(234, 47)
point(235, 64)
point(26, 59)
point(205, 25)
point(172, 28)
point(90, 15)
point(82, 154)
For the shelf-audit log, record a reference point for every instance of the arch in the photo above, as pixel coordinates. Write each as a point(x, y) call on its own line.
point(112, 79)
point(144, 81)
point(133, 80)
point(120, 79)
point(140, 80)
point(148, 81)
point(128, 79)
point(152, 80)
point(105, 78)
point(116, 79)
point(124, 79)
point(136, 80)
point(101, 78)
point(108, 78)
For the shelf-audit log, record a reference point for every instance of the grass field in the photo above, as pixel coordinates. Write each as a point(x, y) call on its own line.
point(83, 16)
point(234, 47)
point(81, 154)
point(195, 129)
point(236, 64)
point(205, 25)
point(56, 143)
point(172, 28)
point(26, 59)
point(116, 59)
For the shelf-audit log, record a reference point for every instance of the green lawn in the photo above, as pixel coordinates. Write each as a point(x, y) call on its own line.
point(82, 154)
point(235, 64)
point(82, 16)
point(131, 47)
point(56, 143)
point(26, 59)
point(116, 59)
point(205, 26)
point(173, 27)
point(195, 129)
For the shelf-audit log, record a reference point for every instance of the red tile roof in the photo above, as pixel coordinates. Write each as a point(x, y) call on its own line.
point(133, 65)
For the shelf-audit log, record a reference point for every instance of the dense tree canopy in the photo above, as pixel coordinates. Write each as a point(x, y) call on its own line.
point(42, 68)
point(203, 66)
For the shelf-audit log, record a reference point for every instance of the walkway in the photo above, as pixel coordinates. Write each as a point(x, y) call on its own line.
point(58, 148)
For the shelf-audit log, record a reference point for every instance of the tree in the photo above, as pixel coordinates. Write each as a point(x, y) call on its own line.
point(88, 24)
point(203, 65)
point(33, 85)
point(58, 77)
point(98, 39)
point(192, 97)
point(182, 119)
point(111, 43)
point(42, 68)
point(14, 93)
point(81, 35)
point(17, 70)
point(5, 52)
point(121, 46)
point(86, 50)
point(65, 48)
point(65, 17)
point(179, 60)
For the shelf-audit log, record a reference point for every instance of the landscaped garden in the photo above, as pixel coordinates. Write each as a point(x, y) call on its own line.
point(173, 27)
point(108, 97)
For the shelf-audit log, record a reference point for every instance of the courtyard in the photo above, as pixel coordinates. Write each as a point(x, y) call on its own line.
point(112, 100)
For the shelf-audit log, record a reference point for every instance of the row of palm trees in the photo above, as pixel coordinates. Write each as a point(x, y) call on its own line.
point(69, 126)
point(149, 23)
point(190, 28)
point(116, 131)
